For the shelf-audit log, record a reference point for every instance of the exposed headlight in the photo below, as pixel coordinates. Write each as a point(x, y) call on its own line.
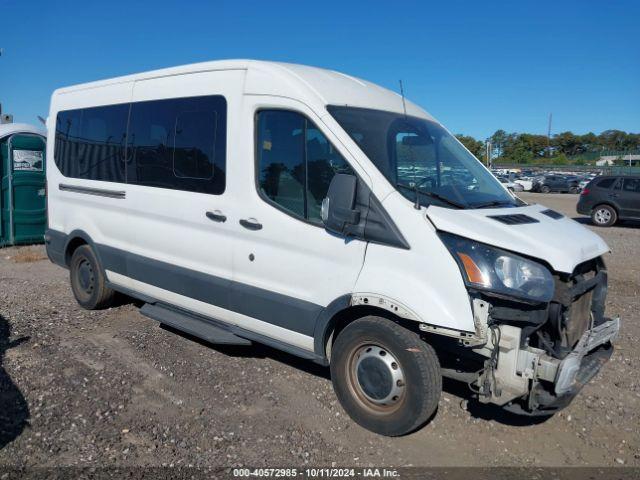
point(498, 271)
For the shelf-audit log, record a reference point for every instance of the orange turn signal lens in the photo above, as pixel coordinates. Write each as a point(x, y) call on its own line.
point(474, 274)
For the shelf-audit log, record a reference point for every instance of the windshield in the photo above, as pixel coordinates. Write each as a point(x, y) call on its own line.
point(420, 157)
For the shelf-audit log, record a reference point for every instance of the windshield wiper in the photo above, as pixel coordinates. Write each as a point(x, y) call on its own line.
point(437, 196)
point(493, 203)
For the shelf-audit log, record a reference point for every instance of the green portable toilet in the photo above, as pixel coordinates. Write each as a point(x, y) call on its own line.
point(23, 208)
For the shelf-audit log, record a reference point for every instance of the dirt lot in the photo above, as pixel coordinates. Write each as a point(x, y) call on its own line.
point(113, 388)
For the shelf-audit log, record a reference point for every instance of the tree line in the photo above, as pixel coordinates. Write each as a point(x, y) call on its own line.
point(564, 147)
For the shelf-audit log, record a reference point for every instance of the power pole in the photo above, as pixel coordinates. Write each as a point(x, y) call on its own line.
point(549, 136)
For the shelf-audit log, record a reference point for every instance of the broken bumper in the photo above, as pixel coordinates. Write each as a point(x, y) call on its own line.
point(570, 374)
point(579, 362)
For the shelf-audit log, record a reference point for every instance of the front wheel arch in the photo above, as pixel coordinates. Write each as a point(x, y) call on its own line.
point(328, 330)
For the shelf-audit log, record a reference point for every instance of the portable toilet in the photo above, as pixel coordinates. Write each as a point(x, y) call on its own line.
point(23, 208)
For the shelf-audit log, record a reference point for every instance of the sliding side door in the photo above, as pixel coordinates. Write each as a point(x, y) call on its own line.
point(177, 160)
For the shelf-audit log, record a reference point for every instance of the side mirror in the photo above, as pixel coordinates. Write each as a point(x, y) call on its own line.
point(338, 208)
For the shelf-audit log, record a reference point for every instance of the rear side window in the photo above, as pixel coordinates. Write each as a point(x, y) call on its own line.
point(90, 143)
point(631, 185)
point(606, 183)
point(179, 144)
point(296, 162)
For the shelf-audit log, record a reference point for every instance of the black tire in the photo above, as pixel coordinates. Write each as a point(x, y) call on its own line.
point(545, 189)
point(573, 190)
point(604, 216)
point(411, 390)
point(87, 280)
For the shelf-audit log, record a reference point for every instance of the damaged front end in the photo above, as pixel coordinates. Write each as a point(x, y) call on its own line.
point(538, 357)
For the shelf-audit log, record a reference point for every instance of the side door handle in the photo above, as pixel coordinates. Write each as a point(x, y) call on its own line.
point(251, 224)
point(216, 216)
point(613, 195)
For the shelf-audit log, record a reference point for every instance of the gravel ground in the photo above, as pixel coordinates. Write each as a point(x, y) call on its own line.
point(113, 388)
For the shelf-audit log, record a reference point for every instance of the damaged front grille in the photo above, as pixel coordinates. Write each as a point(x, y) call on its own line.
point(578, 319)
point(556, 327)
point(577, 305)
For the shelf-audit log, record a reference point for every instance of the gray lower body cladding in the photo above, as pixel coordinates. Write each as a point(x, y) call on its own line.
point(283, 311)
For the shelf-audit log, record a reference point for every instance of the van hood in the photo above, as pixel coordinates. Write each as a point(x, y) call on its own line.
point(561, 242)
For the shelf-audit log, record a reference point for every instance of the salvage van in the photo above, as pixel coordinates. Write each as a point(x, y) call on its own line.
point(246, 201)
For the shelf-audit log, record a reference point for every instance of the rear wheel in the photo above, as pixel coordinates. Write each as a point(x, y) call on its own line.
point(386, 377)
point(604, 216)
point(545, 189)
point(87, 280)
point(573, 190)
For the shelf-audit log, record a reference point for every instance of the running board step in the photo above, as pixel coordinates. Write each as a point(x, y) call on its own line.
point(193, 325)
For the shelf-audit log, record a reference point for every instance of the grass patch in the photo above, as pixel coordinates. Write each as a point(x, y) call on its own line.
point(28, 255)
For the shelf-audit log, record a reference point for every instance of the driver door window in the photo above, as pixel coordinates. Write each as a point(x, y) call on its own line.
point(296, 163)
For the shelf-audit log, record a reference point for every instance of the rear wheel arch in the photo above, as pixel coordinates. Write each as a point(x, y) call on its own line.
point(72, 245)
point(76, 239)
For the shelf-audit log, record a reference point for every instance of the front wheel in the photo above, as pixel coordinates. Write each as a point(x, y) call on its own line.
point(604, 216)
point(385, 376)
point(545, 189)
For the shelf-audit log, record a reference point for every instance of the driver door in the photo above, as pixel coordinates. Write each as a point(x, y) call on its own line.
point(287, 267)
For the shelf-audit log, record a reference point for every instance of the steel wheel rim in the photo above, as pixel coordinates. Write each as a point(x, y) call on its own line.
point(603, 215)
point(85, 278)
point(375, 378)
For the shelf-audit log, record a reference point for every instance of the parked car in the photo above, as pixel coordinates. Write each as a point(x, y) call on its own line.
point(555, 183)
point(526, 182)
point(253, 203)
point(608, 199)
point(511, 186)
point(584, 181)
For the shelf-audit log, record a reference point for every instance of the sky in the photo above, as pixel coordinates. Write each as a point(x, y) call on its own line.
point(476, 66)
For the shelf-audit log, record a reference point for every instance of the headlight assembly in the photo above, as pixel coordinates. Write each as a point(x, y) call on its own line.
point(498, 271)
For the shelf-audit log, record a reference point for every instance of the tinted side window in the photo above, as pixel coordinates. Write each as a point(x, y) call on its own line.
point(631, 185)
point(179, 144)
point(90, 143)
point(281, 159)
point(296, 162)
point(606, 183)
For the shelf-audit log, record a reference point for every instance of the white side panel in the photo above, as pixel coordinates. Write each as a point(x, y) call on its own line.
point(171, 225)
point(425, 279)
point(105, 220)
point(206, 309)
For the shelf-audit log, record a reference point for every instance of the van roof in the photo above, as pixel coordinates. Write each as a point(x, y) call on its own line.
point(310, 84)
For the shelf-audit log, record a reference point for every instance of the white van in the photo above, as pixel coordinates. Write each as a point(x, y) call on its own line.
point(328, 217)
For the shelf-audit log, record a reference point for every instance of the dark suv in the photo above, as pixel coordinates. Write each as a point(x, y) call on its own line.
point(608, 199)
point(555, 183)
